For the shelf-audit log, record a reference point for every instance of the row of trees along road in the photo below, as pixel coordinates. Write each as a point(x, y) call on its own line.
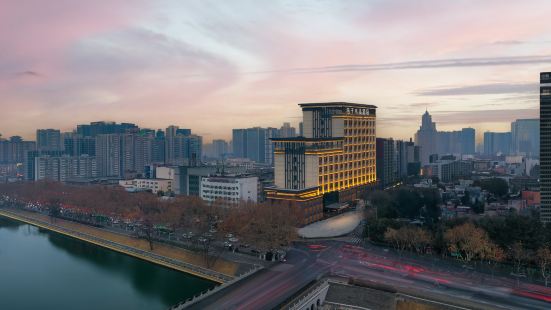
point(519, 242)
point(265, 226)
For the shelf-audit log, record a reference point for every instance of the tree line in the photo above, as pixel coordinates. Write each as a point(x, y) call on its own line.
point(264, 226)
point(522, 243)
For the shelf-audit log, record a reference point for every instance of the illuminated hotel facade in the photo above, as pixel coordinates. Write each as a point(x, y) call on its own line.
point(334, 161)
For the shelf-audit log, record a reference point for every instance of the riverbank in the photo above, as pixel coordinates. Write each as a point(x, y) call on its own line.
point(162, 254)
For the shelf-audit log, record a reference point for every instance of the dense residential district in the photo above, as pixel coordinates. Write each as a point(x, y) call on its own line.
point(326, 214)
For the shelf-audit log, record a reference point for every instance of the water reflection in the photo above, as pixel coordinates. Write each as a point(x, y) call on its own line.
point(149, 281)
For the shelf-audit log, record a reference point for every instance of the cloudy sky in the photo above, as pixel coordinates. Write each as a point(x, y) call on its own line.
point(217, 65)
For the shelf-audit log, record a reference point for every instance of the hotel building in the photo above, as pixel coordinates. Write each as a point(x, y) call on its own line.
point(333, 162)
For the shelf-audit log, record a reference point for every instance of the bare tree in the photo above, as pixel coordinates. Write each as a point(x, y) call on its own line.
point(543, 259)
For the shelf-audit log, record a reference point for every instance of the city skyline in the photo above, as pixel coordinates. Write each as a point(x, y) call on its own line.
point(207, 67)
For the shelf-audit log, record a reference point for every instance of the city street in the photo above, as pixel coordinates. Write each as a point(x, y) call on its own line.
point(439, 280)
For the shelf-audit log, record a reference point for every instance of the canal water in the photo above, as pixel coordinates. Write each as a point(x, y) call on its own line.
point(40, 269)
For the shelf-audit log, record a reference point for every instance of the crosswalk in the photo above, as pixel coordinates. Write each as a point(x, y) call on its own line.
point(356, 240)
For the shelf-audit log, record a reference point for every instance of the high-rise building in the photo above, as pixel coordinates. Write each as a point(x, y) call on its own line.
point(497, 143)
point(101, 128)
point(286, 131)
point(76, 145)
point(407, 159)
point(525, 137)
point(387, 170)
point(64, 168)
point(109, 155)
point(182, 147)
point(219, 148)
point(48, 140)
point(13, 151)
point(545, 143)
point(30, 161)
point(431, 141)
point(333, 162)
point(254, 144)
point(426, 138)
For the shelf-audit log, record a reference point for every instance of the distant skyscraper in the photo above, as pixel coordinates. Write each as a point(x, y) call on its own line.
point(300, 129)
point(182, 147)
point(13, 151)
point(48, 140)
point(286, 131)
point(545, 142)
point(101, 128)
point(219, 148)
point(431, 141)
point(467, 141)
point(497, 142)
point(525, 137)
point(426, 138)
point(407, 159)
point(254, 144)
point(109, 155)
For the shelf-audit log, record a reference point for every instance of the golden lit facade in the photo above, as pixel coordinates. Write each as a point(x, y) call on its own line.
point(333, 162)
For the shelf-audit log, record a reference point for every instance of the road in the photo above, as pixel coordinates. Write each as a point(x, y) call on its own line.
point(439, 280)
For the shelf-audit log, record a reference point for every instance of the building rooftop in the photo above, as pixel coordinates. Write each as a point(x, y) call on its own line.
point(336, 104)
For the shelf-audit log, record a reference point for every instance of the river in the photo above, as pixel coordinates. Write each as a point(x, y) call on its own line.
point(40, 269)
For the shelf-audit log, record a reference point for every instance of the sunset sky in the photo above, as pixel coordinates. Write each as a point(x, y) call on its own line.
point(217, 65)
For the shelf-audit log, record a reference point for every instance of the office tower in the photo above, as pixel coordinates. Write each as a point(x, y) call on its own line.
point(497, 143)
point(333, 162)
point(286, 131)
point(545, 143)
point(426, 137)
point(386, 162)
point(48, 140)
point(525, 137)
point(269, 146)
point(301, 129)
point(101, 128)
point(109, 155)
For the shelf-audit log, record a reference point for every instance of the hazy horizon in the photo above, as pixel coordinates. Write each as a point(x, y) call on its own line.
point(212, 66)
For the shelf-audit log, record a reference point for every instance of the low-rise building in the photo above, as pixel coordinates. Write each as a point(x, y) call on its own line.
point(153, 185)
point(229, 189)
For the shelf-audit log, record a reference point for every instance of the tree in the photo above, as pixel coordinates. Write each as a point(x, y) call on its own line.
point(468, 241)
point(382, 202)
point(518, 255)
point(543, 259)
point(496, 186)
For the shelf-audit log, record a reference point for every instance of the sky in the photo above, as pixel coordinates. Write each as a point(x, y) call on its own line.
point(216, 65)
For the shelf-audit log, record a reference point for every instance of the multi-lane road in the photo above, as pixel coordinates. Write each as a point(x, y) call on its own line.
point(430, 278)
